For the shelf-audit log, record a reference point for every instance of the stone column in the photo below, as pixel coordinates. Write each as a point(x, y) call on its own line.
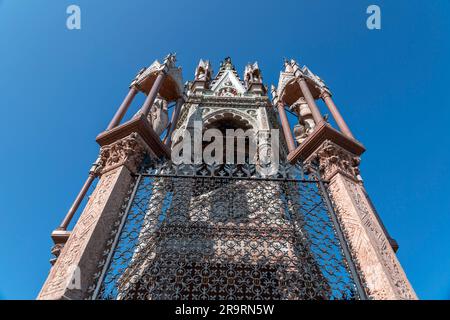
point(310, 100)
point(65, 223)
point(174, 120)
point(379, 269)
point(285, 125)
point(153, 92)
point(123, 108)
point(326, 97)
point(73, 273)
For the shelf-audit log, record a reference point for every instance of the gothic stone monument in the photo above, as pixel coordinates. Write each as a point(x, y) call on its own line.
point(156, 229)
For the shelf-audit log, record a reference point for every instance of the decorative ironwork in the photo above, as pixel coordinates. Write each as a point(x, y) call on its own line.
point(225, 232)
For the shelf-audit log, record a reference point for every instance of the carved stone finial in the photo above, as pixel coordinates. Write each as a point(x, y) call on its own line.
point(170, 60)
point(227, 64)
point(287, 66)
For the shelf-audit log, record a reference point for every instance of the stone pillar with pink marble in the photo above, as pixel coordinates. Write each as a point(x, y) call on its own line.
point(379, 269)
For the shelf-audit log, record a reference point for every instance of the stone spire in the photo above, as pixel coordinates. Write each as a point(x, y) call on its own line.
point(253, 79)
point(202, 77)
point(227, 81)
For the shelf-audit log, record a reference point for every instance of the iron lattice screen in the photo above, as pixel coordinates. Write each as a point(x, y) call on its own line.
point(224, 232)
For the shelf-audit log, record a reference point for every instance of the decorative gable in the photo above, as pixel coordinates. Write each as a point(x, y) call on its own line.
point(228, 85)
point(227, 82)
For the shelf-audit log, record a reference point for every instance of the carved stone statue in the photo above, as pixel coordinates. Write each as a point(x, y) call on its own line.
point(306, 122)
point(159, 116)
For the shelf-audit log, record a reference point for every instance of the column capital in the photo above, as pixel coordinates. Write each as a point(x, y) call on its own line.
point(280, 103)
point(300, 77)
point(325, 93)
point(134, 85)
point(333, 159)
point(326, 97)
point(164, 70)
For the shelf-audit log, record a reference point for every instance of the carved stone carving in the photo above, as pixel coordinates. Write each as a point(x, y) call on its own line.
point(378, 266)
point(334, 159)
point(84, 246)
point(129, 151)
point(203, 71)
point(159, 115)
point(306, 122)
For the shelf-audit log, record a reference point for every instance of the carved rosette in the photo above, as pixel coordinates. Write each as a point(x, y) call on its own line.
point(129, 151)
point(379, 268)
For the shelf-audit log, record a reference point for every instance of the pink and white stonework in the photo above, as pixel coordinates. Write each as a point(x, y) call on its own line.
point(378, 265)
point(212, 100)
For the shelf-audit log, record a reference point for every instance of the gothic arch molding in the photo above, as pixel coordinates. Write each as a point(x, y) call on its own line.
point(232, 115)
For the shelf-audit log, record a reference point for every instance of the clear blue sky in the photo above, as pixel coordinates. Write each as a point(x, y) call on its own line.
point(60, 88)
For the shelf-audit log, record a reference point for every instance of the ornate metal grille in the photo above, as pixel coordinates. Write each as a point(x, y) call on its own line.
point(224, 232)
